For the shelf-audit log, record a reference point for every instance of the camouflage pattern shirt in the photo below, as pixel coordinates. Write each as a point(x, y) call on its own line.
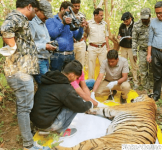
point(25, 58)
point(140, 35)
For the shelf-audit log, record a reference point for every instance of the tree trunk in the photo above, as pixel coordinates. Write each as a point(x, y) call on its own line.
point(94, 4)
point(100, 4)
point(107, 16)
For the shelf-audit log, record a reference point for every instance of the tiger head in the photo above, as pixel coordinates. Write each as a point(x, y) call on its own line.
point(141, 98)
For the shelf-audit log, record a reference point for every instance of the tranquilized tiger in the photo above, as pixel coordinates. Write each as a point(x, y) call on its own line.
point(133, 123)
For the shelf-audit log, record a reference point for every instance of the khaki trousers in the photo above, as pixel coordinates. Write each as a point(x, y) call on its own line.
point(93, 53)
point(105, 91)
point(127, 52)
point(79, 51)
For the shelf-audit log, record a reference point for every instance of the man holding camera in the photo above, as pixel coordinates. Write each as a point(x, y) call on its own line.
point(98, 40)
point(60, 28)
point(41, 37)
point(79, 46)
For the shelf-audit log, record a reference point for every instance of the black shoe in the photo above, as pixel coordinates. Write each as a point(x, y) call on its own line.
point(122, 101)
point(110, 96)
point(151, 95)
point(155, 98)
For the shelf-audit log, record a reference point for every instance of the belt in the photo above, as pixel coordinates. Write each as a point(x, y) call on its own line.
point(98, 46)
point(65, 53)
point(75, 41)
point(158, 49)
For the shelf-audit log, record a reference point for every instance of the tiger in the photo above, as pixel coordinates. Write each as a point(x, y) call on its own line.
point(133, 123)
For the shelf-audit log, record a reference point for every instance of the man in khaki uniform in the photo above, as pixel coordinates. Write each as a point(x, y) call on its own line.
point(98, 40)
point(116, 69)
point(79, 46)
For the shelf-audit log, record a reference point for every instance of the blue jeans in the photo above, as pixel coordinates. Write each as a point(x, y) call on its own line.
point(23, 86)
point(90, 83)
point(43, 68)
point(58, 60)
point(62, 121)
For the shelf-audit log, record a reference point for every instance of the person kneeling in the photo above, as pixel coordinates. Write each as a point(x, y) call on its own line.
point(116, 69)
point(56, 103)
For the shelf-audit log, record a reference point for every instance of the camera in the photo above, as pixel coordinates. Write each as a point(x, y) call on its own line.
point(55, 44)
point(75, 24)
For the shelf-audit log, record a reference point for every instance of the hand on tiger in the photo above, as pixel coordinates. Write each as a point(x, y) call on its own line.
point(93, 96)
point(112, 84)
point(101, 105)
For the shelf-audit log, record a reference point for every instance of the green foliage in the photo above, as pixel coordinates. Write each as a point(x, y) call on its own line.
point(6, 6)
point(19, 139)
point(1, 124)
point(159, 103)
point(54, 136)
point(1, 139)
point(41, 142)
point(56, 139)
point(1, 42)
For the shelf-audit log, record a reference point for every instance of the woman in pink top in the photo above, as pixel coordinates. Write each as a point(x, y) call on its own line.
point(83, 87)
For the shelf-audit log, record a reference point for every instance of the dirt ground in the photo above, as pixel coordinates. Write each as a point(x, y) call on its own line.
point(10, 138)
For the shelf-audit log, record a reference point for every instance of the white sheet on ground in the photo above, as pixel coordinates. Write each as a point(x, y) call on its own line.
point(88, 127)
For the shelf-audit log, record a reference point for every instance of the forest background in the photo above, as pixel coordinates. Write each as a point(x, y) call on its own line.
point(10, 137)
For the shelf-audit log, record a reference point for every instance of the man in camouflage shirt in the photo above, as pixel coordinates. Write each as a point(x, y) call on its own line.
point(20, 66)
point(140, 35)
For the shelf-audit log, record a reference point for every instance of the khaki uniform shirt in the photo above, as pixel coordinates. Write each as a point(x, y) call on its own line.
point(114, 73)
point(97, 32)
point(140, 35)
point(25, 58)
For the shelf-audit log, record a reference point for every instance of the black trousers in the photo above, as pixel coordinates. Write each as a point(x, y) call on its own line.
point(157, 71)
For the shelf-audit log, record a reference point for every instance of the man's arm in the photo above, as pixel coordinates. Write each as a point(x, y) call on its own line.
point(77, 34)
point(125, 72)
point(107, 37)
point(134, 43)
point(10, 41)
point(98, 81)
point(151, 36)
point(149, 54)
point(54, 28)
point(76, 103)
point(85, 88)
point(8, 29)
point(41, 45)
point(123, 78)
point(85, 94)
point(107, 42)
